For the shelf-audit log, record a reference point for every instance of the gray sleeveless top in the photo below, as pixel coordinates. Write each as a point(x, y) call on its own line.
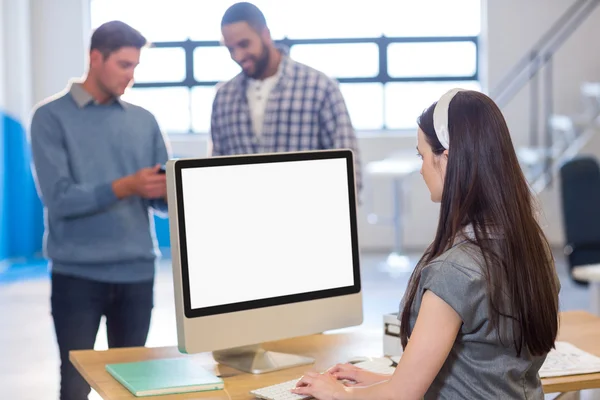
point(479, 366)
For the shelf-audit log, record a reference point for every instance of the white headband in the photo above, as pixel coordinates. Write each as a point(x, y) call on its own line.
point(440, 117)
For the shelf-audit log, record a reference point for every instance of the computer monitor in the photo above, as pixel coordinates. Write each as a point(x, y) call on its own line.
point(264, 247)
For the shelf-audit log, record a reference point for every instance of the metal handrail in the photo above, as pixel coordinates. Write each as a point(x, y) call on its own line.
point(524, 62)
point(527, 68)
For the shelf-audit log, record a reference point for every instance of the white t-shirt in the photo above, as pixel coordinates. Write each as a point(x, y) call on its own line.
point(257, 93)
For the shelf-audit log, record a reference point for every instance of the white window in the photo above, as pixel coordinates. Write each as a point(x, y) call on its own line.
point(391, 57)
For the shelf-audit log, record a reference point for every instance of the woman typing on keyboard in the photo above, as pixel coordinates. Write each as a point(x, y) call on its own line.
point(480, 312)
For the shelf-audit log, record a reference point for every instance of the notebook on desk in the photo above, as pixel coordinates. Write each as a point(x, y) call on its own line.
point(164, 376)
point(567, 359)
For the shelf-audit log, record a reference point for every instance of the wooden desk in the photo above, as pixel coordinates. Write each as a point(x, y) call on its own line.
point(581, 329)
point(577, 327)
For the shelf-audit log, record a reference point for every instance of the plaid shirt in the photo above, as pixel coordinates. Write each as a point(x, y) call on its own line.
point(305, 111)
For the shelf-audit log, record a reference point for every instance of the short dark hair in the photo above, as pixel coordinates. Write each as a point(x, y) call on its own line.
point(245, 12)
point(111, 36)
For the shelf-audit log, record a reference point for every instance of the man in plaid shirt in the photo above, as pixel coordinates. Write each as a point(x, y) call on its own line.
point(275, 104)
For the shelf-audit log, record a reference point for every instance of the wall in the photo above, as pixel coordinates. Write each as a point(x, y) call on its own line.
point(55, 45)
point(58, 48)
point(21, 225)
point(573, 63)
point(513, 26)
point(60, 32)
point(3, 211)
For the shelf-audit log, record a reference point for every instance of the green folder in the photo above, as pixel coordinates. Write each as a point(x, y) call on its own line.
point(165, 376)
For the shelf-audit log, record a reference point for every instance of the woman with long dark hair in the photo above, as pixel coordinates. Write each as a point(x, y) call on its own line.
point(480, 313)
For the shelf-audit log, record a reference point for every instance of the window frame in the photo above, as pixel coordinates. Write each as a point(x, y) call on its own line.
point(382, 77)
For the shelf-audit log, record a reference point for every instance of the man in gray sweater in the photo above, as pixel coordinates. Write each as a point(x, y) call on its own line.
point(97, 164)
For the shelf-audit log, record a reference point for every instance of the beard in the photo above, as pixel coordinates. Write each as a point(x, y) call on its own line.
point(260, 63)
point(106, 90)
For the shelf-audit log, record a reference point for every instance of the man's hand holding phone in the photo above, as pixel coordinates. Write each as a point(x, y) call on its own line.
point(148, 183)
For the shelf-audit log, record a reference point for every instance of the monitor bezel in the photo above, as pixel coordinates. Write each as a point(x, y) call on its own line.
point(265, 158)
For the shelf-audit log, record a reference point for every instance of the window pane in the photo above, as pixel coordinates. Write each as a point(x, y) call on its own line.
point(339, 60)
point(157, 20)
point(404, 102)
point(161, 65)
point(309, 19)
point(200, 20)
point(170, 106)
point(365, 104)
point(207, 15)
point(423, 59)
point(202, 99)
point(277, 15)
point(431, 18)
point(214, 64)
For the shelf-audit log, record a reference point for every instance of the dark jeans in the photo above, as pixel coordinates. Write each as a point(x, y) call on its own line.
point(77, 307)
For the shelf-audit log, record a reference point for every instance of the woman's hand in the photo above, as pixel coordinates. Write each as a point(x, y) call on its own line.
point(355, 375)
point(320, 386)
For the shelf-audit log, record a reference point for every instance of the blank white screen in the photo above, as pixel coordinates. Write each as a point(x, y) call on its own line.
point(259, 231)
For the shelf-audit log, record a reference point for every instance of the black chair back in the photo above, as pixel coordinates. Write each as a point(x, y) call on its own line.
point(580, 190)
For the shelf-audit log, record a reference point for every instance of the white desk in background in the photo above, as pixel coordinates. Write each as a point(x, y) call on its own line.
point(397, 168)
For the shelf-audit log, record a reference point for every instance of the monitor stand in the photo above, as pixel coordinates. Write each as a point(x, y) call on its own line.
point(256, 360)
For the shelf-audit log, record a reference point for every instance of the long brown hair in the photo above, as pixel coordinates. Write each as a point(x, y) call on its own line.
point(485, 187)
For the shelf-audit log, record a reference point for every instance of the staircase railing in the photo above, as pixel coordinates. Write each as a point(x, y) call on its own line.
point(527, 70)
point(528, 66)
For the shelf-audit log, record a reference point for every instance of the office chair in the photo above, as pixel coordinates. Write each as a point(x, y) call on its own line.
point(580, 178)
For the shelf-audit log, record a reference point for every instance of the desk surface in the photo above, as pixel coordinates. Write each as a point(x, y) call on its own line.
point(396, 167)
point(577, 327)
